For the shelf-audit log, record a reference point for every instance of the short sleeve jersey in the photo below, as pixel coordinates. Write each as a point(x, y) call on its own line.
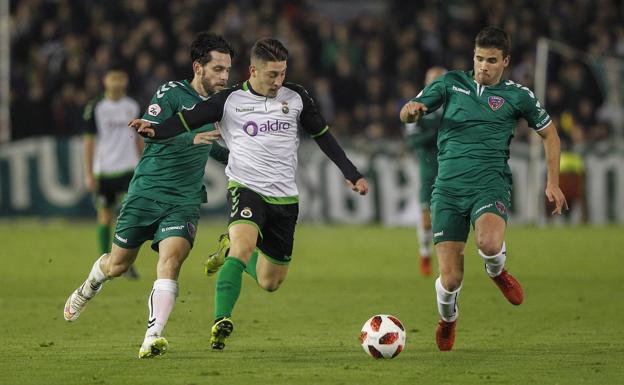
point(115, 144)
point(478, 123)
point(172, 170)
point(262, 134)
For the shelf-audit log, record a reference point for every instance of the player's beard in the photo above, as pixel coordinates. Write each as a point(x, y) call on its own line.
point(209, 87)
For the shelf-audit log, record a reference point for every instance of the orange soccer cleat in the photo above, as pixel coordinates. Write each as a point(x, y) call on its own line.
point(445, 335)
point(510, 287)
point(425, 266)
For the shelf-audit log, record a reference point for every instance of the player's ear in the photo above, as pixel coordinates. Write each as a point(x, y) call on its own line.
point(197, 68)
point(506, 60)
point(252, 70)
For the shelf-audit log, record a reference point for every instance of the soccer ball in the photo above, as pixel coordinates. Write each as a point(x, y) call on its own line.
point(383, 336)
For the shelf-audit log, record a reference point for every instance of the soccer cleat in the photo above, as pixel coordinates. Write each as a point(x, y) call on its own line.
point(153, 346)
point(445, 335)
point(217, 259)
point(76, 303)
point(425, 266)
point(220, 331)
point(510, 287)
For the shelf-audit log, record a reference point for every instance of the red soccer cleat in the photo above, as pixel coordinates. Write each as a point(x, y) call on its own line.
point(425, 266)
point(510, 287)
point(445, 335)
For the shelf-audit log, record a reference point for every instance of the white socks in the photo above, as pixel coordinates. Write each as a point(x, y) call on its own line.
point(494, 263)
point(160, 304)
point(95, 280)
point(424, 240)
point(447, 302)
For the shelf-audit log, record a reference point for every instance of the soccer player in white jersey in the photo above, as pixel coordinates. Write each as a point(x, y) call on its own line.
point(111, 151)
point(259, 121)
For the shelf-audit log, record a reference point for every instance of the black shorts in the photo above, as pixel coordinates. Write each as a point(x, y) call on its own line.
point(109, 191)
point(275, 222)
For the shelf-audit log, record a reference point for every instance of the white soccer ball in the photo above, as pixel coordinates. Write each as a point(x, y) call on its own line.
point(383, 336)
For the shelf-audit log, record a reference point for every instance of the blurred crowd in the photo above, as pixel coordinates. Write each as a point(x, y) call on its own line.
point(360, 59)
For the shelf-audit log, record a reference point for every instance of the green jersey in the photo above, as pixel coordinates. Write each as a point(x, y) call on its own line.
point(477, 125)
point(172, 170)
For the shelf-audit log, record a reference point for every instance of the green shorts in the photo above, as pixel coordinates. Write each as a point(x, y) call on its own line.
point(141, 219)
point(452, 213)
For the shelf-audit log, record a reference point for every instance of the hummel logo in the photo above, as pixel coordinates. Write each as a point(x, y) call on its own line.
point(244, 109)
point(439, 234)
point(124, 240)
point(463, 91)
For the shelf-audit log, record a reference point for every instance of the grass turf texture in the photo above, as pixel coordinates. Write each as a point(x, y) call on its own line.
point(568, 331)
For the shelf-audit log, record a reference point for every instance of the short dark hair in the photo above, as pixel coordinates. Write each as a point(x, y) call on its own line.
point(493, 37)
point(204, 43)
point(269, 49)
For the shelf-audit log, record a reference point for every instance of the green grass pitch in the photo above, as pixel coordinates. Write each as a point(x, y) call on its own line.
point(568, 331)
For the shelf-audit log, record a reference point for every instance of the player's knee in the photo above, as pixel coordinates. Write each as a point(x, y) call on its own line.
point(116, 268)
point(452, 282)
point(489, 245)
point(270, 284)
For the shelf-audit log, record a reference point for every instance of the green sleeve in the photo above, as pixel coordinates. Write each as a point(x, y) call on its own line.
point(434, 95)
point(532, 110)
point(219, 153)
point(162, 106)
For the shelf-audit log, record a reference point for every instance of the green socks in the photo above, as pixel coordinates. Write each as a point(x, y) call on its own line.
point(229, 282)
point(103, 237)
point(251, 265)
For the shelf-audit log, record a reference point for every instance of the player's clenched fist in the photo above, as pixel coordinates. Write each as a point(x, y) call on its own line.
point(412, 111)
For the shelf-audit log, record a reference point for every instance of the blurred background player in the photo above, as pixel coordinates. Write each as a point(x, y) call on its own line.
point(111, 151)
point(480, 113)
point(262, 191)
point(422, 137)
point(165, 194)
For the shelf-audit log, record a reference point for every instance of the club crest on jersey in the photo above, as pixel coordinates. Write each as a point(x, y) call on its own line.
point(285, 108)
point(246, 213)
point(495, 102)
point(501, 207)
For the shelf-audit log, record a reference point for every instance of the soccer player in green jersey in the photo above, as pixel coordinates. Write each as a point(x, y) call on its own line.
point(165, 194)
point(260, 121)
point(421, 139)
point(473, 186)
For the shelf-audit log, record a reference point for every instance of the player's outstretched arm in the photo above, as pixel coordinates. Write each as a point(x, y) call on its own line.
point(552, 148)
point(209, 111)
point(332, 149)
point(412, 111)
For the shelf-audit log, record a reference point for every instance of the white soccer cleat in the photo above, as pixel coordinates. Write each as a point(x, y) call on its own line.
point(153, 346)
point(76, 303)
